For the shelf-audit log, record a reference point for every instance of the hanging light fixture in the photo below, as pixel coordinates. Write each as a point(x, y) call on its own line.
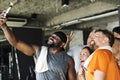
point(65, 3)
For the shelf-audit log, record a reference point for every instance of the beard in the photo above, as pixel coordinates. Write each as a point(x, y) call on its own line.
point(51, 45)
point(57, 45)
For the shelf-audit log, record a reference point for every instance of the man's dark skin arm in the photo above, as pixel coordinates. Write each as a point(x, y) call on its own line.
point(71, 70)
point(27, 49)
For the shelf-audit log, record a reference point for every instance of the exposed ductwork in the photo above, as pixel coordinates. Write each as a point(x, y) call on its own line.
point(87, 19)
point(100, 16)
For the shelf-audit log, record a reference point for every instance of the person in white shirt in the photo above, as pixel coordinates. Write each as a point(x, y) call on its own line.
point(75, 51)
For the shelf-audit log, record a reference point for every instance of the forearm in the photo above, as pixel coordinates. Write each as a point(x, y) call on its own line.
point(99, 75)
point(21, 46)
point(27, 49)
point(9, 35)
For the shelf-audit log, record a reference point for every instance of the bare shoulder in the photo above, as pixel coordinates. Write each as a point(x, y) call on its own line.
point(71, 62)
point(71, 70)
point(36, 48)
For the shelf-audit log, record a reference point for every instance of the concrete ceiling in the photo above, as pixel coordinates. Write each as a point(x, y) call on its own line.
point(50, 13)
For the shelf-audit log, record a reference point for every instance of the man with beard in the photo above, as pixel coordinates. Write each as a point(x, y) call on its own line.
point(52, 61)
point(116, 45)
point(102, 65)
point(116, 31)
point(116, 50)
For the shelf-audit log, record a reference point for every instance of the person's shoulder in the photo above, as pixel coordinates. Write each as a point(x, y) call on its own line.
point(67, 55)
point(102, 52)
point(41, 48)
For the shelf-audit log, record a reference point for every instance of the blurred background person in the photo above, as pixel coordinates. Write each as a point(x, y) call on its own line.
point(116, 50)
point(116, 45)
point(116, 31)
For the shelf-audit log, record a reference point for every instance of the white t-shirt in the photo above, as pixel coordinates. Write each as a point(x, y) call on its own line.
point(74, 52)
